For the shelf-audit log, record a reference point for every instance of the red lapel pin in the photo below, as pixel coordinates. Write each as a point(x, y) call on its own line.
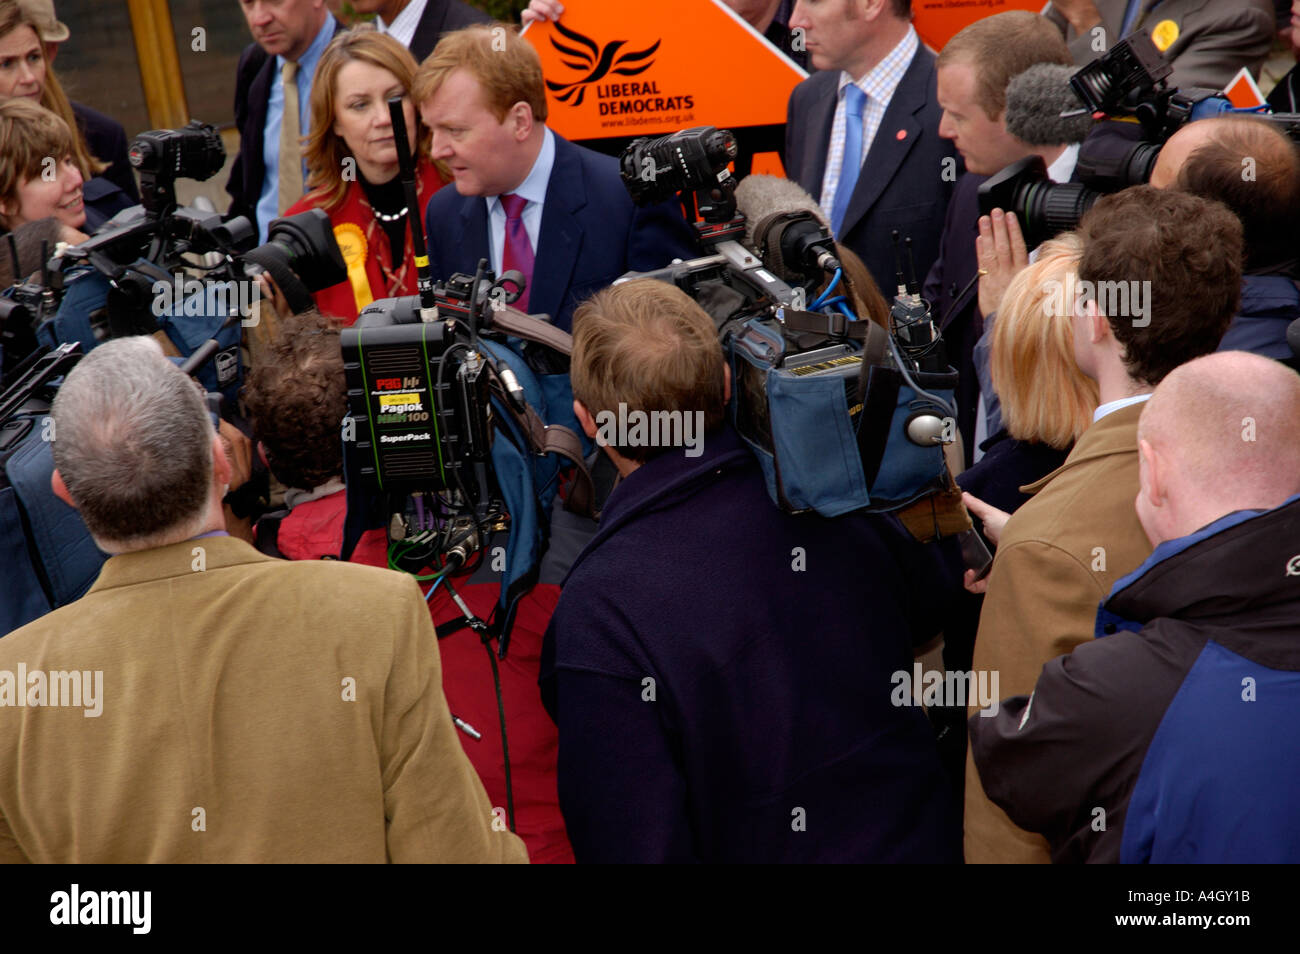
point(901, 135)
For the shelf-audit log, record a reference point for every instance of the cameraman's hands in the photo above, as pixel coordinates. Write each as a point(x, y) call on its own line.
point(1083, 15)
point(541, 10)
point(72, 236)
point(271, 292)
point(993, 520)
point(1001, 253)
point(239, 451)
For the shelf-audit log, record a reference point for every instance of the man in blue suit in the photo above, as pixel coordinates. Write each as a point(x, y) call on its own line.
point(524, 197)
point(862, 135)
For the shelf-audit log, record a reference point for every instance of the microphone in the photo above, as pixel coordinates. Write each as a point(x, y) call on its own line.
point(406, 170)
point(1036, 102)
point(787, 228)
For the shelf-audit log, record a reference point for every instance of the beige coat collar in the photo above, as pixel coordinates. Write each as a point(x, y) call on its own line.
point(1116, 433)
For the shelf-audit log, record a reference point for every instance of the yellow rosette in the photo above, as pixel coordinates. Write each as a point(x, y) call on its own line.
point(1164, 34)
point(352, 243)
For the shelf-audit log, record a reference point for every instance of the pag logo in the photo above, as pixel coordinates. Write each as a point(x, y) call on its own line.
point(587, 57)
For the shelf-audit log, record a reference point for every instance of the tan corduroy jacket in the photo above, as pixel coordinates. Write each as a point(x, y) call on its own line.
point(249, 710)
point(1058, 557)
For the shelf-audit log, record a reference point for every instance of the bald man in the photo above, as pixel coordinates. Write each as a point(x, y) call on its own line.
point(1253, 169)
point(1176, 737)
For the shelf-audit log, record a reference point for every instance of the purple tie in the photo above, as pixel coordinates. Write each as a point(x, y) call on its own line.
point(518, 251)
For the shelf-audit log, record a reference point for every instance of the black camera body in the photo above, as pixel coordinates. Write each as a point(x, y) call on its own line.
point(1127, 81)
point(807, 384)
point(143, 252)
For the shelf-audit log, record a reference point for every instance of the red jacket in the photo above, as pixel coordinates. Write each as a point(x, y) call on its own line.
point(315, 529)
point(340, 300)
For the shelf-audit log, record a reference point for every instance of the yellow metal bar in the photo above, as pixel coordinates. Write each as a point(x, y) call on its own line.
point(160, 68)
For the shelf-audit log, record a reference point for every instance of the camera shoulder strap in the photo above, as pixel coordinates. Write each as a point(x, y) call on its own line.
point(515, 322)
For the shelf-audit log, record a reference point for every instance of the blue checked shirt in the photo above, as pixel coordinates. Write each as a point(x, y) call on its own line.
point(879, 85)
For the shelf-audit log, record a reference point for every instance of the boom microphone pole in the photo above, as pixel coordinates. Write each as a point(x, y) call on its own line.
point(406, 169)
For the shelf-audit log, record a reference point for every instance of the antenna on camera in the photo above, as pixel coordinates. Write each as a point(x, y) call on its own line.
point(406, 169)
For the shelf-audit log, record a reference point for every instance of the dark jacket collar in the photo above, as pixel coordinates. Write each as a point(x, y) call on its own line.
point(1246, 563)
point(1269, 296)
point(667, 479)
point(888, 150)
point(560, 236)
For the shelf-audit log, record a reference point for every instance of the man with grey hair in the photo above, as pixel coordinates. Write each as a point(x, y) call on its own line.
point(233, 707)
point(1176, 736)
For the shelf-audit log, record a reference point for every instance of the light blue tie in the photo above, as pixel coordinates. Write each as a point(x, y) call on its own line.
point(854, 100)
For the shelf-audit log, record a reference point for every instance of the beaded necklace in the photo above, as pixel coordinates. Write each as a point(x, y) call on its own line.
point(395, 280)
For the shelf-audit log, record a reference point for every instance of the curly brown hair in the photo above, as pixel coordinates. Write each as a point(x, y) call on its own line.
point(1188, 249)
point(297, 397)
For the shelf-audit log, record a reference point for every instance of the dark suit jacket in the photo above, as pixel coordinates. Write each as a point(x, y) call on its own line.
point(954, 305)
point(253, 78)
point(591, 233)
point(442, 16)
point(902, 185)
point(107, 142)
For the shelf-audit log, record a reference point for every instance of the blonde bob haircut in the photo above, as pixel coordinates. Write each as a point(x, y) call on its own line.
point(1045, 397)
point(31, 134)
point(14, 15)
point(324, 149)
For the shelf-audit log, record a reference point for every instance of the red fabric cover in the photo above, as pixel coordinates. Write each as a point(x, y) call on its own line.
point(315, 529)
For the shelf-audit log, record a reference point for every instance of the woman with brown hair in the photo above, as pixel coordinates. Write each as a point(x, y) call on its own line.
point(353, 171)
point(26, 72)
point(39, 176)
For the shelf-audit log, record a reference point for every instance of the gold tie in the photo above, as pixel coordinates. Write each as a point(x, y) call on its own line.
point(290, 187)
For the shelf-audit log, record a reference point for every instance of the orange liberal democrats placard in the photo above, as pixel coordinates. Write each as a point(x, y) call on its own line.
point(937, 20)
point(615, 68)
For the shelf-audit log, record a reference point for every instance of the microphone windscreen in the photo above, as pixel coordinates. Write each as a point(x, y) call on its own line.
point(1035, 100)
point(759, 197)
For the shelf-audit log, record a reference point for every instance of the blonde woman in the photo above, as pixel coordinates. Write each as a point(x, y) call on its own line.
point(1047, 402)
point(353, 171)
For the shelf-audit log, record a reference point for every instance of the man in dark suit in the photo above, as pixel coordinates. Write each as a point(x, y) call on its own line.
point(289, 32)
point(525, 198)
point(417, 24)
point(973, 71)
point(862, 135)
